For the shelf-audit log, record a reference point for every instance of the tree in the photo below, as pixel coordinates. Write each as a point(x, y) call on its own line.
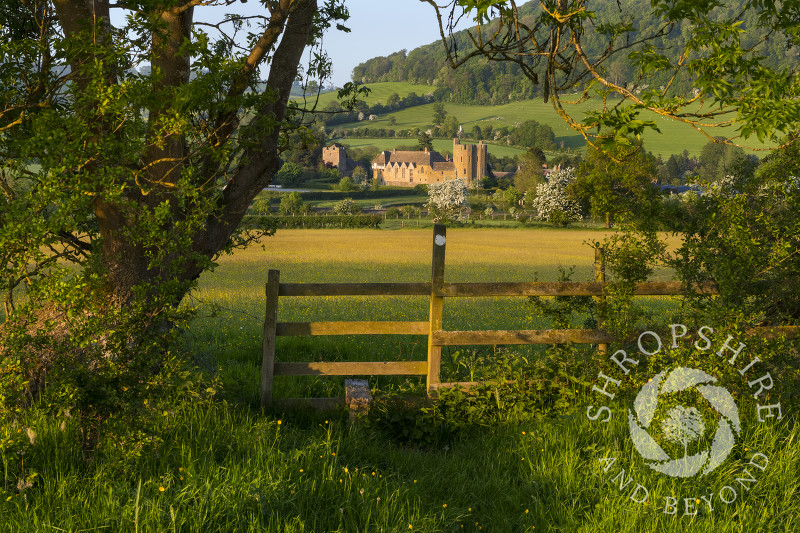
point(121, 184)
point(439, 113)
point(447, 200)
point(717, 79)
point(530, 174)
point(450, 127)
point(552, 202)
point(617, 185)
point(292, 204)
point(346, 184)
point(424, 141)
point(360, 177)
point(290, 175)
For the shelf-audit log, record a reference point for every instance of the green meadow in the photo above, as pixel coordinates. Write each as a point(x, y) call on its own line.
point(222, 465)
point(674, 136)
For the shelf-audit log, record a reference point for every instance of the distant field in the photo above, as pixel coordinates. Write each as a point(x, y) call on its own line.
point(674, 138)
point(379, 92)
point(440, 145)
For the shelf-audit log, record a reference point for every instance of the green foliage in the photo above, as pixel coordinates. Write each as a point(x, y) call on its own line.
point(290, 175)
point(450, 127)
point(617, 185)
point(439, 113)
point(346, 184)
point(292, 204)
point(317, 221)
point(424, 141)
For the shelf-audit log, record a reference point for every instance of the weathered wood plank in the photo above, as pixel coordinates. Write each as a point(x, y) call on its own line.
point(435, 316)
point(352, 328)
point(355, 289)
point(563, 288)
point(551, 336)
point(268, 348)
point(378, 368)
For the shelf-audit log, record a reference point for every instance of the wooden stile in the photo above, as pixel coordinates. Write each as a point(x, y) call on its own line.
point(436, 290)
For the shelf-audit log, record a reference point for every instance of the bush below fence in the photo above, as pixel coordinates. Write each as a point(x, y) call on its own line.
point(315, 221)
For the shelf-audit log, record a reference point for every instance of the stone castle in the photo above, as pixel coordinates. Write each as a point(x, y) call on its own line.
point(407, 169)
point(334, 156)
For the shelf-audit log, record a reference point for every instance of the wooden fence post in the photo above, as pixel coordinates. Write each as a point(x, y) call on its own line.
point(270, 326)
point(437, 303)
point(600, 275)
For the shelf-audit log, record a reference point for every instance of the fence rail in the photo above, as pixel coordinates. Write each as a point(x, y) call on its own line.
point(437, 290)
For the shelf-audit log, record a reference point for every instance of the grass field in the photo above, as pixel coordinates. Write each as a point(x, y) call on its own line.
point(673, 139)
point(379, 92)
point(223, 466)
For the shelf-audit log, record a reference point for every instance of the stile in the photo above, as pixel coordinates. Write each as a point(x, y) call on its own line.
point(270, 326)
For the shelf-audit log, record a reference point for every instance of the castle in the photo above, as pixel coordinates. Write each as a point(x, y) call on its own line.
point(334, 156)
point(407, 169)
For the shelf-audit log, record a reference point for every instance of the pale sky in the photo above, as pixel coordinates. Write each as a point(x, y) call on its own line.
point(379, 28)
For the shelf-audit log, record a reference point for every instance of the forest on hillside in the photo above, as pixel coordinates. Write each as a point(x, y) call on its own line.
point(483, 82)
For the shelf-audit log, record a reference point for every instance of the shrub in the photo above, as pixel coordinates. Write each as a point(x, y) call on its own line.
point(346, 207)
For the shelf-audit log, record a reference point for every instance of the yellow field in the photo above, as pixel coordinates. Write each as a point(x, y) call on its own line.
point(396, 256)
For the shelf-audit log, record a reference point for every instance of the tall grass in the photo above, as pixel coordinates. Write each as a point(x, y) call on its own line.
point(224, 466)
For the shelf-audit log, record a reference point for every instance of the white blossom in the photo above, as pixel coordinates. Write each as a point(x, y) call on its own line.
point(552, 203)
point(447, 200)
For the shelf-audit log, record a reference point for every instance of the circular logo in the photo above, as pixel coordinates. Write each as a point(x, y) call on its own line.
point(682, 424)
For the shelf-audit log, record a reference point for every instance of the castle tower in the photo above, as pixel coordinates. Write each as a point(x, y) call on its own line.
point(469, 161)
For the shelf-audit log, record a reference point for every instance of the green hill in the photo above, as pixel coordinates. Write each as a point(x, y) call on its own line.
point(674, 138)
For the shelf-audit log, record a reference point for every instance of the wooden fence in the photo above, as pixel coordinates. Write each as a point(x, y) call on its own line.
point(437, 290)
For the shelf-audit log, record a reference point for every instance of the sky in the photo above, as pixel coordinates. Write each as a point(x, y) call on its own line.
point(378, 28)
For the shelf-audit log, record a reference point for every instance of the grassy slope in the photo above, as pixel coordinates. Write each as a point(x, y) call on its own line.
point(674, 136)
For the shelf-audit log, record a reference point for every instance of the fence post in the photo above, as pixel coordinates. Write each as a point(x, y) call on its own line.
point(600, 275)
point(437, 303)
point(270, 325)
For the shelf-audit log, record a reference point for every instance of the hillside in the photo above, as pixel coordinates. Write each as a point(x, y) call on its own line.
point(674, 137)
point(482, 82)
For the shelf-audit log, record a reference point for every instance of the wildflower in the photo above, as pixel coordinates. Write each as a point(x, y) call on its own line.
point(279, 422)
point(346, 470)
point(410, 526)
point(161, 489)
point(301, 469)
point(361, 492)
point(526, 511)
point(378, 498)
point(444, 506)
